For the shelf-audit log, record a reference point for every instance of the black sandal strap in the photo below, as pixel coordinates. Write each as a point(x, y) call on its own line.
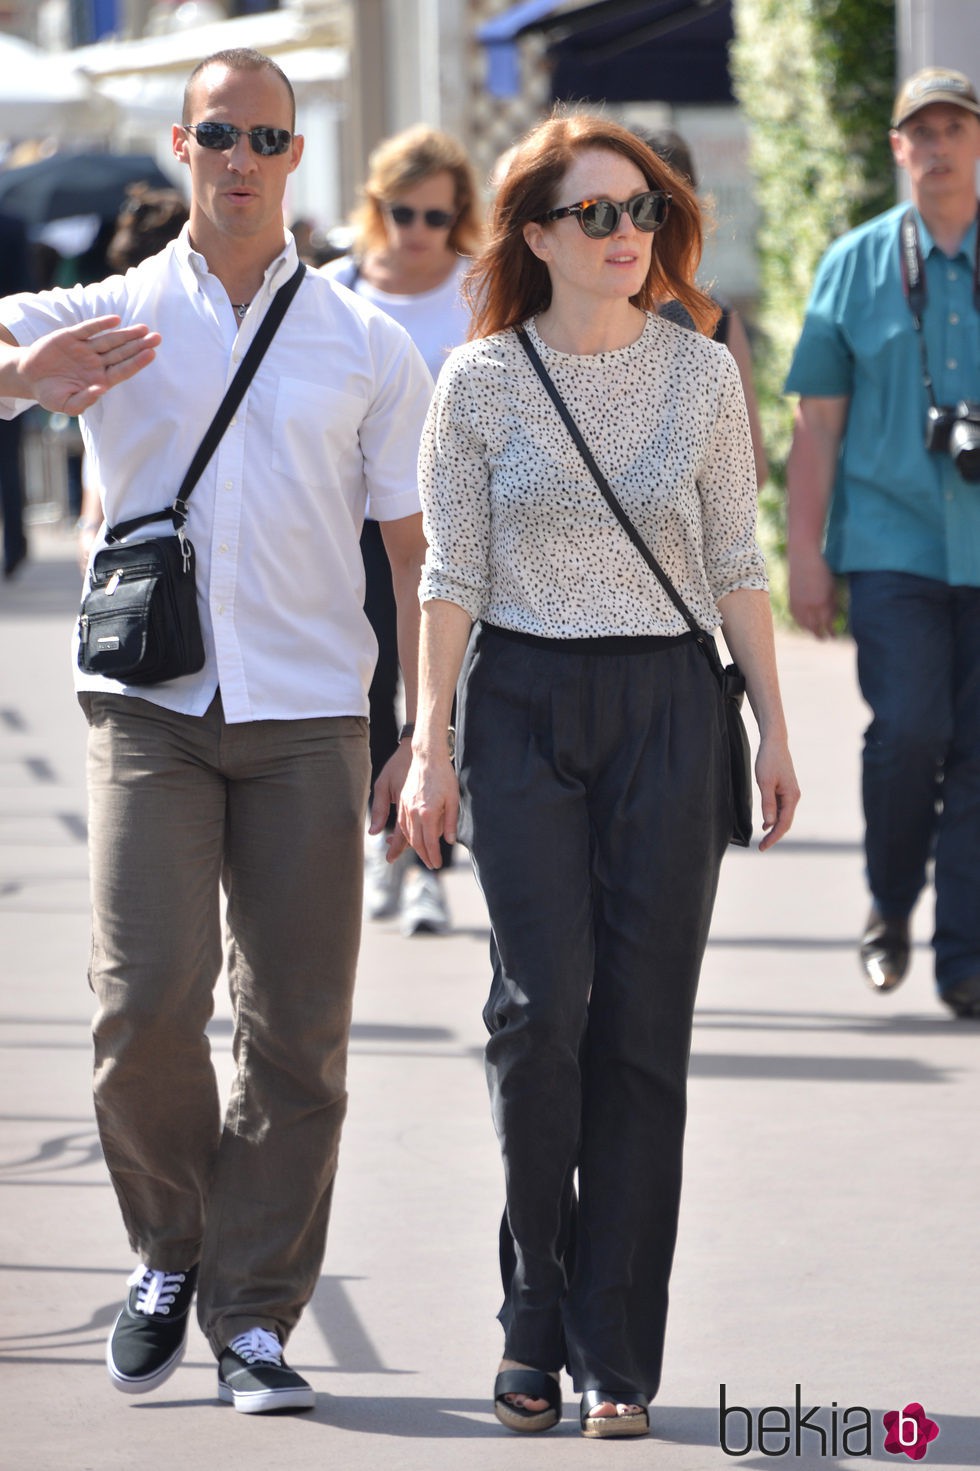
point(533, 1383)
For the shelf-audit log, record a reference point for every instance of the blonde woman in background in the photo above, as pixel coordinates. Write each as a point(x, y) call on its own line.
point(419, 221)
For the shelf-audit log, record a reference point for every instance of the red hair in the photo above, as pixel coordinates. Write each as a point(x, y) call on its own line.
point(508, 283)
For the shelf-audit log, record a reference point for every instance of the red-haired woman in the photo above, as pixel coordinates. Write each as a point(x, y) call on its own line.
point(593, 768)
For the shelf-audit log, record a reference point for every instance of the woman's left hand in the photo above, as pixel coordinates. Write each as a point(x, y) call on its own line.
point(429, 807)
point(778, 788)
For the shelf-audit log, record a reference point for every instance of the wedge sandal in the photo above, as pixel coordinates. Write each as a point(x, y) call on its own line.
point(535, 1385)
point(610, 1427)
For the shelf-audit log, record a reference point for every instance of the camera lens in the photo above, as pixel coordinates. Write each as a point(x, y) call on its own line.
point(964, 448)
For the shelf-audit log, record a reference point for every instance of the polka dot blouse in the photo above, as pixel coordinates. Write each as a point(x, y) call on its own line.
point(520, 534)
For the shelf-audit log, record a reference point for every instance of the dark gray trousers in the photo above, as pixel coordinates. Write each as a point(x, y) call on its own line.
point(596, 799)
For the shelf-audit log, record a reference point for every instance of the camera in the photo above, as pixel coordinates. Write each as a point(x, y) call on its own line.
point(956, 431)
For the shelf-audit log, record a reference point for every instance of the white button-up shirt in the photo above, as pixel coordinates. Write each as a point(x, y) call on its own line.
point(332, 416)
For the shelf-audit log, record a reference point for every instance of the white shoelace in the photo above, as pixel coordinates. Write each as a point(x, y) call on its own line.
point(257, 1346)
point(157, 1290)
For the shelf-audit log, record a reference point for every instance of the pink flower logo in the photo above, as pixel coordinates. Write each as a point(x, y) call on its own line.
point(909, 1432)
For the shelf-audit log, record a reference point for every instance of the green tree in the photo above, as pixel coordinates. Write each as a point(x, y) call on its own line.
point(815, 80)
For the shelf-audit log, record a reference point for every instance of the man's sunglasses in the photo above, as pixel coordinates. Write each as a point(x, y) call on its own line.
point(222, 137)
point(436, 219)
point(598, 218)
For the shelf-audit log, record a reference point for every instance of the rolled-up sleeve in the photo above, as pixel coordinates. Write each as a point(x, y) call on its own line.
point(729, 497)
point(454, 485)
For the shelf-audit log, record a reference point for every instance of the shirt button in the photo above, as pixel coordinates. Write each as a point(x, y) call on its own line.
point(228, 485)
point(234, 419)
point(223, 547)
point(220, 608)
point(952, 363)
point(954, 318)
point(951, 276)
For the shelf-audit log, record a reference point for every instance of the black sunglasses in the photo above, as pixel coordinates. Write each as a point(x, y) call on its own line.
point(222, 136)
point(436, 219)
point(599, 217)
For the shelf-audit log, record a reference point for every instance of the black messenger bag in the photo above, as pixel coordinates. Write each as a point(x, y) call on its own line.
point(139, 621)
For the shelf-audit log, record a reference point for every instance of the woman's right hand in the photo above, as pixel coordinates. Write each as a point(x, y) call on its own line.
point(429, 806)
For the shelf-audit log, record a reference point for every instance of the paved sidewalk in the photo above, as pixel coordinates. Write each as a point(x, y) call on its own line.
point(831, 1202)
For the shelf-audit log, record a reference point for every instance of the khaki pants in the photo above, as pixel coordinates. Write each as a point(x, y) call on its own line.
point(274, 812)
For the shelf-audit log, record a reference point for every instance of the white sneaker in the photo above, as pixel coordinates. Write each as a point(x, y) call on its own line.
point(423, 910)
point(382, 880)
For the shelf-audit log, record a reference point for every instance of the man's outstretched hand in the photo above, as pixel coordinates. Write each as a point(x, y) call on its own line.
point(66, 371)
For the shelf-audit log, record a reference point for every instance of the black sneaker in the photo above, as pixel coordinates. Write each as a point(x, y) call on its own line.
point(148, 1339)
point(254, 1377)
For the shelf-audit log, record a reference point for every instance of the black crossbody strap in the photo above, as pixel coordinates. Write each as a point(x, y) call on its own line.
point(703, 638)
point(234, 394)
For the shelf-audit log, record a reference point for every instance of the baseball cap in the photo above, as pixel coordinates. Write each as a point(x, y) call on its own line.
point(934, 84)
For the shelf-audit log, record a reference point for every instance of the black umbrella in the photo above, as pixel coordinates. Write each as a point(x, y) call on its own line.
point(76, 184)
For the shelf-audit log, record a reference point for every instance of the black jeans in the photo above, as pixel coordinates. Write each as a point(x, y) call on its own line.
point(11, 492)
point(595, 792)
point(382, 614)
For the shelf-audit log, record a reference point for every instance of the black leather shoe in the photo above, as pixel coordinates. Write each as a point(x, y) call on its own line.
point(12, 562)
point(884, 951)
point(963, 999)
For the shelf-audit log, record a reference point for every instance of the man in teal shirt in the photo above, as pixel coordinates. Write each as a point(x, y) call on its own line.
point(868, 499)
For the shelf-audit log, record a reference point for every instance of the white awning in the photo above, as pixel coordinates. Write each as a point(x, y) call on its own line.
point(278, 33)
point(42, 95)
point(155, 96)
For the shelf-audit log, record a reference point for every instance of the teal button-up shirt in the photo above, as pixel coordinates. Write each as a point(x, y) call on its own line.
point(896, 506)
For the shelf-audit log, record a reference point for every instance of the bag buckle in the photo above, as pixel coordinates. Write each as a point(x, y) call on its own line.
point(185, 550)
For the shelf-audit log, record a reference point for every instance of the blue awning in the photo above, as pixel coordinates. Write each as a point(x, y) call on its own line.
point(500, 35)
point(510, 22)
point(618, 50)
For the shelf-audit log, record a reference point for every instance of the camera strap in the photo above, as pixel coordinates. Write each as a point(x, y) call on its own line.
point(914, 284)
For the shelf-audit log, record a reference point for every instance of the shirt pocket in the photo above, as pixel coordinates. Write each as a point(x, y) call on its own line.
point(316, 431)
